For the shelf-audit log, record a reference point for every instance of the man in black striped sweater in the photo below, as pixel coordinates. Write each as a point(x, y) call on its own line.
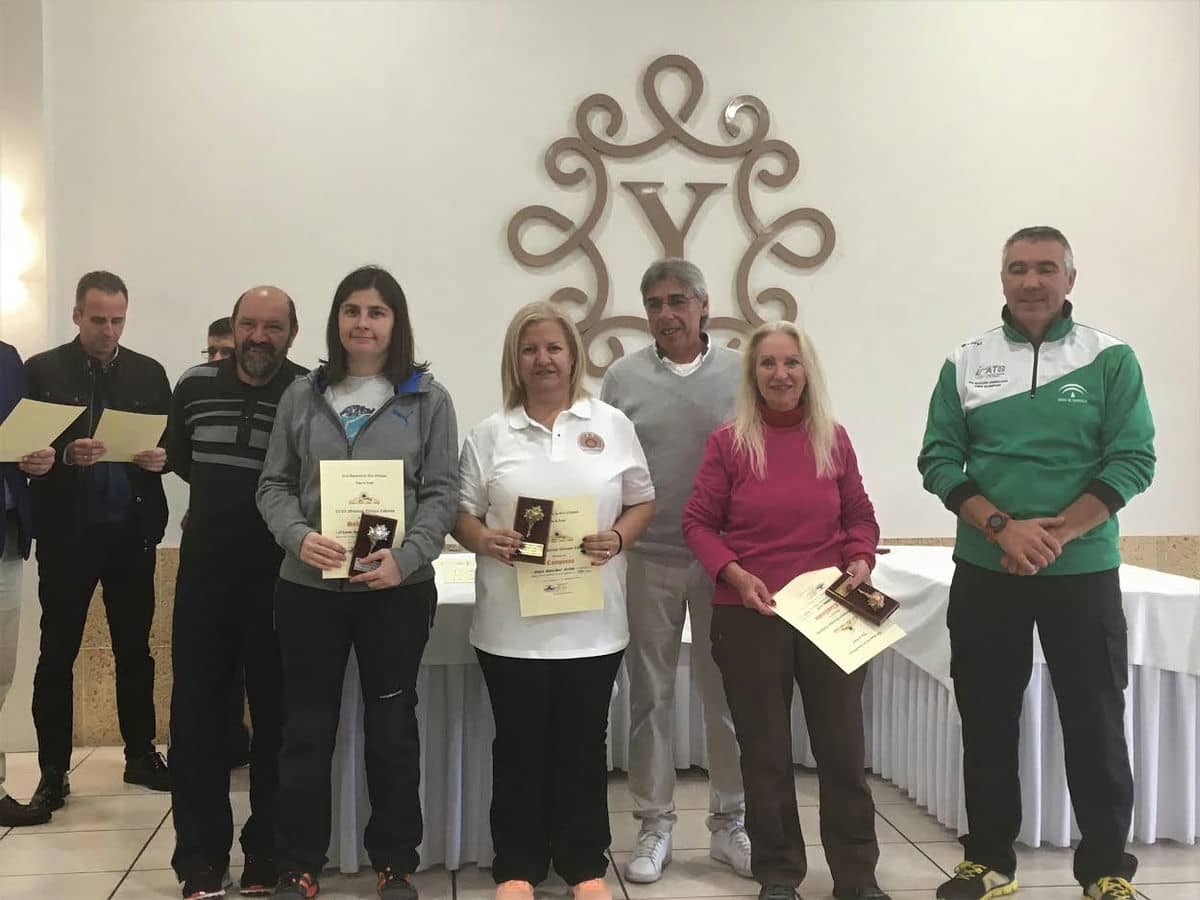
point(221, 418)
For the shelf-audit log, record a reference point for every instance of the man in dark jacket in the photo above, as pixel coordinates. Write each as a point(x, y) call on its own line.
point(97, 522)
point(16, 536)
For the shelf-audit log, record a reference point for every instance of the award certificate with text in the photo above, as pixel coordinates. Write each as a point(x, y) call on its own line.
point(351, 487)
point(567, 581)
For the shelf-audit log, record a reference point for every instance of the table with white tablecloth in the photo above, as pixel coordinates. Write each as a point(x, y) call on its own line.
point(912, 724)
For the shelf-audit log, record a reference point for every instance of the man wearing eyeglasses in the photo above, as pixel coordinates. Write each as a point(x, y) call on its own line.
point(220, 340)
point(221, 418)
point(676, 392)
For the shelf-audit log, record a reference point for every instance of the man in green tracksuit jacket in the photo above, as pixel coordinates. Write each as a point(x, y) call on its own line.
point(1038, 433)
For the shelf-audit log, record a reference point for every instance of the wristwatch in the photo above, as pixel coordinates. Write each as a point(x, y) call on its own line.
point(994, 525)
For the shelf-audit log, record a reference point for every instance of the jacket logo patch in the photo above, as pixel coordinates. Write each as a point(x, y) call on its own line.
point(992, 376)
point(1072, 393)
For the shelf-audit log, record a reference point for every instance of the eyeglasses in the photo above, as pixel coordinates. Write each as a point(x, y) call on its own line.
point(675, 302)
point(212, 353)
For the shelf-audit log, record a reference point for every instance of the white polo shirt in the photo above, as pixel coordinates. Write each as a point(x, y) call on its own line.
point(593, 449)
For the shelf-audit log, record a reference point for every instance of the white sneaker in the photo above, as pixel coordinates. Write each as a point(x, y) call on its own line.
point(650, 856)
point(732, 847)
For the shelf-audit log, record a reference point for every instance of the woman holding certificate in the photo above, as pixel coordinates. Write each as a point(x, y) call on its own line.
point(778, 494)
point(337, 436)
point(553, 488)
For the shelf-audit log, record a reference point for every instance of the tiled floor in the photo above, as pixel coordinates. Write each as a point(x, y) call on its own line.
point(115, 841)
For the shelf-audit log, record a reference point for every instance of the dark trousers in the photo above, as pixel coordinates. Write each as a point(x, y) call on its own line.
point(761, 658)
point(237, 735)
point(1082, 628)
point(224, 621)
point(388, 630)
point(550, 765)
point(123, 564)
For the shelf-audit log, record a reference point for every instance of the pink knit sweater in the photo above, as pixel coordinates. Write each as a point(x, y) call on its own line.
point(788, 523)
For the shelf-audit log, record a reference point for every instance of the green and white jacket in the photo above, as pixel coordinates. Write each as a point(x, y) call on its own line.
point(1033, 428)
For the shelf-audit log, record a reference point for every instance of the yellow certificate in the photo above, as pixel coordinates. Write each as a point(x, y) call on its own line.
point(567, 582)
point(351, 487)
point(34, 425)
point(127, 434)
point(845, 637)
point(455, 568)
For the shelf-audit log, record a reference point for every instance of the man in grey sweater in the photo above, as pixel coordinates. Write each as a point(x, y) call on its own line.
point(676, 392)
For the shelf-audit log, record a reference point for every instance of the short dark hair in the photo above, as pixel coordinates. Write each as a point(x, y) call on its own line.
point(1036, 234)
point(292, 320)
point(106, 282)
point(222, 327)
point(400, 363)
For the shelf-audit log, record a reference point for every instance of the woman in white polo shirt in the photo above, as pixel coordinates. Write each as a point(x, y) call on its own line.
point(550, 677)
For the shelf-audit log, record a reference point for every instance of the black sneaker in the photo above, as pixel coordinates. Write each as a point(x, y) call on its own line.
point(258, 876)
point(297, 884)
point(52, 790)
point(18, 815)
point(871, 892)
point(777, 892)
point(204, 882)
point(391, 885)
point(148, 771)
point(974, 881)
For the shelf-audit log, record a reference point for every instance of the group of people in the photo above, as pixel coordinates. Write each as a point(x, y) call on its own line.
point(717, 476)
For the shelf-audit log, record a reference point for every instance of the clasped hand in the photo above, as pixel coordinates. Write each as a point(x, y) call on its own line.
point(1030, 545)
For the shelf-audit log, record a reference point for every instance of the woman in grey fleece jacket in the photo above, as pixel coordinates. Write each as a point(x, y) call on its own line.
point(369, 401)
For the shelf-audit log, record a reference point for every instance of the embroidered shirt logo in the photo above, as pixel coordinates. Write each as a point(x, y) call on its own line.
point(591, 442)
point(1072, 393)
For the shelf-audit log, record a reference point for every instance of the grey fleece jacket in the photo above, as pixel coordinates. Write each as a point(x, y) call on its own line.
point(417, 424)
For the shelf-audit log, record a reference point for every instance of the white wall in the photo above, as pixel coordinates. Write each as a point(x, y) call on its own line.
point(22, 278)
point(198, 148)
point(22, 178)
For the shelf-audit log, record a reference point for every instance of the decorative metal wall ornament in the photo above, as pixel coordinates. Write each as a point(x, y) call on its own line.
point(591, 148)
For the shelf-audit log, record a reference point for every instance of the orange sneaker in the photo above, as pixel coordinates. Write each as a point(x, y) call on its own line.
point(514, 890)
point(595, 889)
point(302, 885)
point(393, 885)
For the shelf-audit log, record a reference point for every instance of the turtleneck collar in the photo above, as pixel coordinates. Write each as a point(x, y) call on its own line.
point(786, 419)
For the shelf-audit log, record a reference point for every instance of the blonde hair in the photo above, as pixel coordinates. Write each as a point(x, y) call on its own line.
point(510, 372)
point(818, 415)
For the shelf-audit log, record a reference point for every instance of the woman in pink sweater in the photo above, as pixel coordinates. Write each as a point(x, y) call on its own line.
point(779, 493)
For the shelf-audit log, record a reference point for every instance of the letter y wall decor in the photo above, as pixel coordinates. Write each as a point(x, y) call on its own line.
point(573, 160)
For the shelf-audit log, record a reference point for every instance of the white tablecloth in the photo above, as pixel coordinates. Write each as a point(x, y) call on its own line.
point(912, 724)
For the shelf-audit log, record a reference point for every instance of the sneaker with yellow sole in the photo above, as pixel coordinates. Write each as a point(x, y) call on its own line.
point(973, 881)
point(1112, 888)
